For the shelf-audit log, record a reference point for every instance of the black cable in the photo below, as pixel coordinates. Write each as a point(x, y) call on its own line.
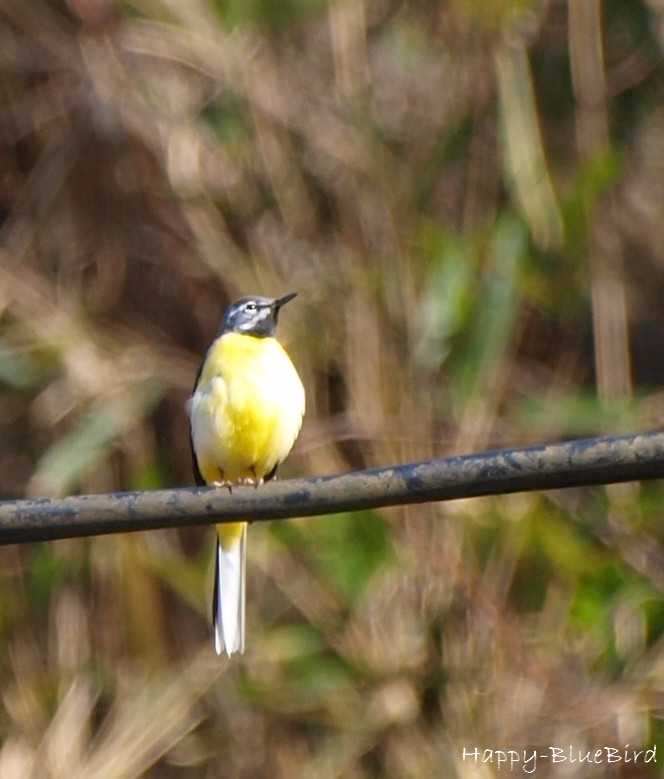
point(578, 463)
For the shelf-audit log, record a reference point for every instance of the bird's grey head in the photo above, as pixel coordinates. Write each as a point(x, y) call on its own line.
point(254, 315)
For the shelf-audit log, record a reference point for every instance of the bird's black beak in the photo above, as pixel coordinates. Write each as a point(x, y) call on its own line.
point(279, 302)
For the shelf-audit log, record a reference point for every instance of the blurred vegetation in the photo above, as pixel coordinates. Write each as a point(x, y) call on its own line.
point(469, 199)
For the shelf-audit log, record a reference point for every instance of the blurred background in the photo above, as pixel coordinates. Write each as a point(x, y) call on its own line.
point(469, 198)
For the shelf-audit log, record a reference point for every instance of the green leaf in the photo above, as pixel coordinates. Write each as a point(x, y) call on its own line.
point(84, 448)
point(20, 371)
point(577, 413)
point(347, 549)
point(266, 12)
point(496, 305)
point(48, 570)
point(447, 295)
point(526, 167)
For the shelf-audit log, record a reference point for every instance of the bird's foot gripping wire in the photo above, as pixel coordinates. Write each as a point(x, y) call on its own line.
point(250, 481)
point(224, 483)
point(257, 482)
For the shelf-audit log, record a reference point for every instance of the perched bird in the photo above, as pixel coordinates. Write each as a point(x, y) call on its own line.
point(245, 414)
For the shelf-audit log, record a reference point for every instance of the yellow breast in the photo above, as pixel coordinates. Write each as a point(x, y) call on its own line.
point(247, 408)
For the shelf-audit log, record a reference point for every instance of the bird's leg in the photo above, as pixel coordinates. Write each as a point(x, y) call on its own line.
point(222, 482)
point(257, 481)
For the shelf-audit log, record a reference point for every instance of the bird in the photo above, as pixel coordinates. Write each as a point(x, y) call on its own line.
point(245, 413)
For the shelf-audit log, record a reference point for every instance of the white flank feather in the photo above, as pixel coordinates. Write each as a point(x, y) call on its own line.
point(229, 596)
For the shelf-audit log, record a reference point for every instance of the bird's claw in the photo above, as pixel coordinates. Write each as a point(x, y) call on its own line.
point(224, 483)
point(250, 481)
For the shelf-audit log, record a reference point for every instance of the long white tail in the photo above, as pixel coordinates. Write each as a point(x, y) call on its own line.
point(229, 593)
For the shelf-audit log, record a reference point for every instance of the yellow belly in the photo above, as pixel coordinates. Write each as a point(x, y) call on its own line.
point(246, 410)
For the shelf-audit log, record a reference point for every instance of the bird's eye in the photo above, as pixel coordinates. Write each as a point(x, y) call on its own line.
point(250, 307)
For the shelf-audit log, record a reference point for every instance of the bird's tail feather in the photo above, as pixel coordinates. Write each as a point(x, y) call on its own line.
point(229, 588)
